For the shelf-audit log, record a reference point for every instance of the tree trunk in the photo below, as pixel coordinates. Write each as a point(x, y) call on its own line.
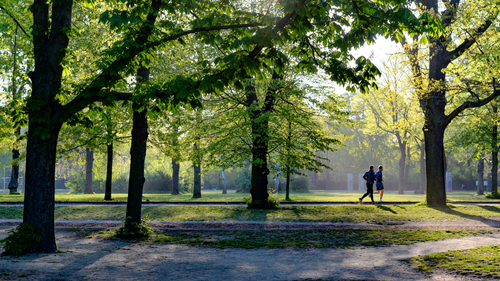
point(14, 174)
point(89, 167)
point(259, 161)
point(39, 187)
point(435, 171)
point(494, 154)
point(287, 197)
point(423, 180)
point(224, 187)
point(402, 164)
point(197, 181)
point(175, 177)
point(480, 175)
point(109, 171)
point(407, 167)
point(175, 165)
point(197, 175)
point(44, 121)
point(277, 182)
point(137, 156)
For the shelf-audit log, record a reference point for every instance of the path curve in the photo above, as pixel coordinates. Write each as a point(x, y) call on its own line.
point(96, 259)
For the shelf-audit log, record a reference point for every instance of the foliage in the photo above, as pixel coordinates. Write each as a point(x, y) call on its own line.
point(133, 230)
point(20, 239)
point(300, 184)
point(243, 182)
point(492, 195)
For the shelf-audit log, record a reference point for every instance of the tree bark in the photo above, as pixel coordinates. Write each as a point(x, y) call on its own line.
point(14, 176)
point(137, 156)
point(423, 180)
point(197, 181)
point(407, 167)
point(287, 197)
point(109, 171)
point(402, 164)
point(494, 154)
point(44, 122)
point(436, 193)
point(89, 167)
point(224, 187)
point(480, 175)
point(260, 131)
point(175, 165)
point(175, 177)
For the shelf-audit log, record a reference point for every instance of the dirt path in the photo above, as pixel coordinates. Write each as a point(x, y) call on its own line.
point(97, 259)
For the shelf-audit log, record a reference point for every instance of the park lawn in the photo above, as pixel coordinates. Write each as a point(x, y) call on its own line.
point(484, 261)
point(232, 196)
point(345, 213)
point(298, 239)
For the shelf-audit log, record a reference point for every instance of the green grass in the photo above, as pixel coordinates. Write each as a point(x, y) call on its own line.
point(348, 213)
point(298, 239)
point(232, 196)
point(484, 261)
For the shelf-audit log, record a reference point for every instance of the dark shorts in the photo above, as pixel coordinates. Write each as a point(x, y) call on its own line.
point(379, 185)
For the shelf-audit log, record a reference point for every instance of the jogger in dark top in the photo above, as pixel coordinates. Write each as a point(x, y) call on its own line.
point(370, 178)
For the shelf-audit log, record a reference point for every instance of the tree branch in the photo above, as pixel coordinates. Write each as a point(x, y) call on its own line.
point(467, 43)
point(471, 104)
point(16, 21)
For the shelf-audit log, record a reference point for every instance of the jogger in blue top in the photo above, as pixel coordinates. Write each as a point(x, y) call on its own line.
point(369, 178)
point(379, 184)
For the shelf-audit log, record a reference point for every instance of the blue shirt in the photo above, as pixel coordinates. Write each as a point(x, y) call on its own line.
point(370, 176)
point(378, 175)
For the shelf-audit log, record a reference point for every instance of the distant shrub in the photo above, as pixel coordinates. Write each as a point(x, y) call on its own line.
point(159, 182)
point(492, 195)
point(300, 184)
point(243, 182)
point(75, 181)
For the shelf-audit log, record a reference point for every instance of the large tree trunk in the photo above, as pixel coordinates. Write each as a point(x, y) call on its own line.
point(89, 167)
point(402, 164)
point(109, 171)
point(494, 154)
point(14, 174)
point(39, 191)
point(435, 166)
point(423, 180)
point(197, 181)
point(44, 122)
point(480, 175)
point(224, 187)
point(137, 156)
point(175, 177)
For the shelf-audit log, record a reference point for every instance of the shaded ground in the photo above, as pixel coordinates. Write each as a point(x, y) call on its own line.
point(98, 259)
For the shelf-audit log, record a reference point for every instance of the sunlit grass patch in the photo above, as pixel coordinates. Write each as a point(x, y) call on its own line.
point(484, 261)
point(303, 239)
point(347, 213)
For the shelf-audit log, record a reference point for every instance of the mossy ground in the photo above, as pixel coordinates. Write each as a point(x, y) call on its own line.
point(482, 261)
point(348, 213)
point(297, 239)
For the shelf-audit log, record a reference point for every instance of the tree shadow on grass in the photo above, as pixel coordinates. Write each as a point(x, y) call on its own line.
point(485, 220)
point(385, 208)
